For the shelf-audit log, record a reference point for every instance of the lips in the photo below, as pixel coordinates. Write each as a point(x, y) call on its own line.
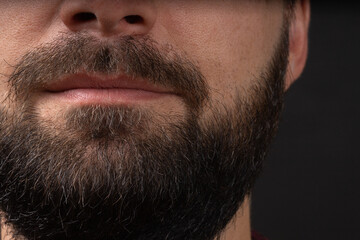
point(101, 88)
point(100, 81)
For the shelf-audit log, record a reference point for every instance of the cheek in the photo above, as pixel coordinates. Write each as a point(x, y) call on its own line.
point(232, 47)
point(230, 43)
point(23, 24)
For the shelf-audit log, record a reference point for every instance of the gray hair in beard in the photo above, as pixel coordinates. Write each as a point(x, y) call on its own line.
point(182, 181)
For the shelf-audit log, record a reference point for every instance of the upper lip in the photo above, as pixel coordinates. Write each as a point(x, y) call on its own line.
point(103, 81)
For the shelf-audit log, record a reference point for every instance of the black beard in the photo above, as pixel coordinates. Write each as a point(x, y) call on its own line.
point(100, 180)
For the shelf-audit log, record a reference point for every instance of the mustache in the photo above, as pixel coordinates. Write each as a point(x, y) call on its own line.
point(136, 57)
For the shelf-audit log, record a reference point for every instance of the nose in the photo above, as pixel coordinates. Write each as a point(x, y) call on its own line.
point(109, 17)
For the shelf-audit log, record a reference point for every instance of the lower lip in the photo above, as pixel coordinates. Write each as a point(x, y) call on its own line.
point(107, 96)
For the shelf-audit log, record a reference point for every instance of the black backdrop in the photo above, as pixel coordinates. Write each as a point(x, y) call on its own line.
point(310, 188)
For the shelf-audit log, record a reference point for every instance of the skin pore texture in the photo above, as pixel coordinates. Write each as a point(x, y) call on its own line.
point(176, 159)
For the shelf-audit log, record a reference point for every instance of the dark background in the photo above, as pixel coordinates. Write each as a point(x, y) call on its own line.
point(310, 188)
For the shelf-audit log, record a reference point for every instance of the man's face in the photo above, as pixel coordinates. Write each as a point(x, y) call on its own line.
point(145, 119)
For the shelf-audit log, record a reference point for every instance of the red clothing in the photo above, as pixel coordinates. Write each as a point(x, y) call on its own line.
point(257, 236)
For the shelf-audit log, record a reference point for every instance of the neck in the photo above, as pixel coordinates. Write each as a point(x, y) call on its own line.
point(237, 229)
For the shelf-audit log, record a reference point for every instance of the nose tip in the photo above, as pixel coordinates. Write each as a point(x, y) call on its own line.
point(109, 17)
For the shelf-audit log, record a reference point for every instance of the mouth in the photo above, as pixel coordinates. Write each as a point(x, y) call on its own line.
point(86, 88)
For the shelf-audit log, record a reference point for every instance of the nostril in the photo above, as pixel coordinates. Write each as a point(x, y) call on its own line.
point(84, 17)
point(134, 19)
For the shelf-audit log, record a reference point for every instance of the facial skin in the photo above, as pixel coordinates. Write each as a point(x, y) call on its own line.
point(134, 164)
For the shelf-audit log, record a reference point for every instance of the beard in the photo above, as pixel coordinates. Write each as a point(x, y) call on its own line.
point(115, 172)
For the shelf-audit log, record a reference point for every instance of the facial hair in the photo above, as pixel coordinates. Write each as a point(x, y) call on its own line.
point(119, 172)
